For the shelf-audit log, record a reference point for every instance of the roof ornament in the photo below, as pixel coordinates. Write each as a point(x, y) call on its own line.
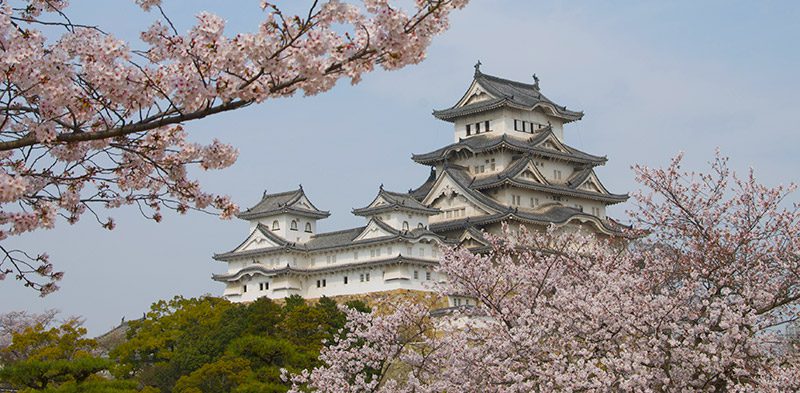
point(301, 186)
point(381, 187)
point(265, 193)
point(478, 68)
point(535, 82)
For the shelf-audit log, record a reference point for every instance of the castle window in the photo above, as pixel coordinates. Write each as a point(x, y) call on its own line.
point(486, 123)
point(361, 277)
point(491, 164)
point(421, 252)
point(556, 174)
point(468, 129)
point(596, 211)
point(324, 282)
point(516, 200)
point(275, 225)
point(244, 288)
point(534, 202)
point(579, 207)
point(293, 225)
point(355, 255)
point(408, 251)
point(428, 276)
point(345, 280)
point(367, 276)
point(308, 227)
point(319, 283)
point(477, 128)
point(416, 275)
point(261, 286)
point(516, 125)
point(405, 225)
point(420, 226)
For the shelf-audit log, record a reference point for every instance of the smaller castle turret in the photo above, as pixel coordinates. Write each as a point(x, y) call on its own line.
point(289, 215)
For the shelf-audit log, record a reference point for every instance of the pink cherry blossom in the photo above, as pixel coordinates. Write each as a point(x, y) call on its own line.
point(692, 299)
point(89, 122)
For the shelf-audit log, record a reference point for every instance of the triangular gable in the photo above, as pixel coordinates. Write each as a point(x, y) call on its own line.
point(379, 201)
point(303, 203)
point(552, 143)
point(446, 185)
point(475, 93)
point(373, 230)
point(256, 240)
point(531, 173)
point(584, 219)
point(472, 239)
point(592, 184)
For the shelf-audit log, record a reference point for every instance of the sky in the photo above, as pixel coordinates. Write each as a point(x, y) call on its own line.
point(654, 78)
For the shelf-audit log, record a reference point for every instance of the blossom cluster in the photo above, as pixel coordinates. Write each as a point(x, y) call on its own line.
point(89, 122)
point(693, 299)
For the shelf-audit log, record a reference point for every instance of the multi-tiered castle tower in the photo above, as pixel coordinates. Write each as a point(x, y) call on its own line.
point(508, 164)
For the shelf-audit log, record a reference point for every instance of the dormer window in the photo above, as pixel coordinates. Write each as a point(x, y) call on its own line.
point(405, 225)
point(308, 227)
point(275, 225)
point(293, 225)
point(420, 226)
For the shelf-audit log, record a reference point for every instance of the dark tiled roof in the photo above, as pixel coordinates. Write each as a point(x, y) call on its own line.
point(465, 180)
point(507, 176)
point(260, 269)
point(395, 201)
point(422, 191)
point(284, 202)
point(579, 177)
point(556, 214)
point(507, 93)
point(489, 141)
point(333, 240)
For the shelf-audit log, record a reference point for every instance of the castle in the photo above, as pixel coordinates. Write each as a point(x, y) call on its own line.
point(508, 164)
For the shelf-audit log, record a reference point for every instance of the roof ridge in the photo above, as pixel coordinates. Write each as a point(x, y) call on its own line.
point(282, 193)
point(499, 79)
point(316, 235)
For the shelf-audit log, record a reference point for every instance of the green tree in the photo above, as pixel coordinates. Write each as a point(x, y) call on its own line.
point(57, 360)
point(175, 338)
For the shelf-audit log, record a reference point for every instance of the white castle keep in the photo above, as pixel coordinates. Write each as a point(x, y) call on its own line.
point(508, 164)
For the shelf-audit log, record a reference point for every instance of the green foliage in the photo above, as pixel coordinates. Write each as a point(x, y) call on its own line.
point(199, 345)
point(211, 345)
point(39, 357)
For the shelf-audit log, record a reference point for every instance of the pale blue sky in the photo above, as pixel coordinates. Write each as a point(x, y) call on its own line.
point(654, 78)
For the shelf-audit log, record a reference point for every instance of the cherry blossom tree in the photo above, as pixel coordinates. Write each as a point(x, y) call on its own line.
point(88, 122)
point(690, 300)
point(17, 321)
